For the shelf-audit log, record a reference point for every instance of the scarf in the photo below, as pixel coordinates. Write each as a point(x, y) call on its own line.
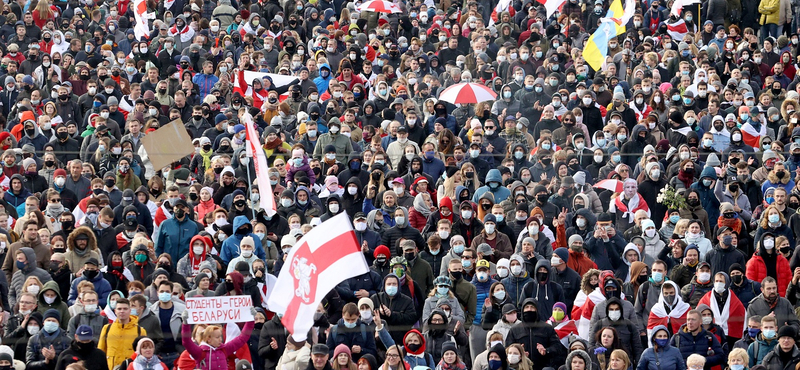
point(141, 363)
point(206, 158)
point(456, 366)
point(420, 206)
point(671, 316)
point(187, 33)
point(733, 223)
point(685, 178)
point(271, 145)
point(634, 204)
point(730, 316)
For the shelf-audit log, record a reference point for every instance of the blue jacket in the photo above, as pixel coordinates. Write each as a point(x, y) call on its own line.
point(361, 336)
point(689, 344)
point(205, 83)
point(667, 358)
point(230, 247)
point(483, 293)
point(101, 286)
point(322, 83)
point(38, 141)
point(759, 349)
point(606, 254)
point(707, 197)
point(17, 201)
point(370, 281)
point(514, 286)
point(433, 167)
point(501, 193)
point(174, 237)
point(749, 290)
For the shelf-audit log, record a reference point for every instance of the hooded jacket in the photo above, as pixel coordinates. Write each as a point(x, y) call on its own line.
point(41, 255)
point(405, 231)
point(403, 313)
point(73, 256)
point(530, 334)
point(101, 286)
point(515, 284)
point(627, 332)
point(58, 305)
point(500, 193)
point(757, 269)
point(230, 247)
point(704, 342)
point(30, 269)
point(546, 292)
point(174, 237)
point(666, 358)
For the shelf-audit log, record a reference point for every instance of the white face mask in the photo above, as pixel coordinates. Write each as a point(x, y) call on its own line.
point(246, 253)
point(719, 287)
point(361, 226)
point(198, 250)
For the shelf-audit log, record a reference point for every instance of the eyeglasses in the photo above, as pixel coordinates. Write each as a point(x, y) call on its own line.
point(394, 355)
point(56, 200)
point(279, 165)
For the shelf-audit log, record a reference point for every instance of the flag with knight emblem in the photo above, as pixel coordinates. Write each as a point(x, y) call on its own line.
point(323, 258)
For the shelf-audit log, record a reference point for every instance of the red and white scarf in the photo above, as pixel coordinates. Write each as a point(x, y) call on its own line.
point(187, 33)
point(634, 204)
point(659, 316)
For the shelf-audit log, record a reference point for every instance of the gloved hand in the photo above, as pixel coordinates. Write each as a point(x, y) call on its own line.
point(185, 315)
point(253, 311)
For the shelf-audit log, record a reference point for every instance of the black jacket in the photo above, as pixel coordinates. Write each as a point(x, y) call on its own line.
point(88, 353)
point(530, 334)
point(403, 314)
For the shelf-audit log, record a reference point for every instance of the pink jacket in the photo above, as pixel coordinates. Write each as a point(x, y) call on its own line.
point(312, 178)
point(209, 358)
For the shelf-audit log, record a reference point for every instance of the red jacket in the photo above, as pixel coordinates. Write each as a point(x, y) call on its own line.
point(416, 220)
point(757, 271)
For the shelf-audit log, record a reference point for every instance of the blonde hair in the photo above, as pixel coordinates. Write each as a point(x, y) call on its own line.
point(622, 355)
point(740, 353)
point(695, 360)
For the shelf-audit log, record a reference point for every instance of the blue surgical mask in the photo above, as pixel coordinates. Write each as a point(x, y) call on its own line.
point(658, 276)
point(436, 252)
point(616, 158)
point(774, 219)
point(499, 218)
point(442, 291)
point(350, 325)
point(753, 332)
point(674, 219)
point(662, 342)
point(391, 290)
point(458, 249)
point(50, 327)
point(768, 333)
point(260, 235)
point(165, 297)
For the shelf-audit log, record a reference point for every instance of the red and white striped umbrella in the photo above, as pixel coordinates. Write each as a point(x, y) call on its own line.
point(467, 93)
point(380, 6)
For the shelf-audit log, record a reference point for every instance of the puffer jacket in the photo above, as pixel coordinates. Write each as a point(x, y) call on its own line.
point(627, 332)
point(667, 358)
point(390, 237)
point(773, 359)
point(530, 334)
point(757, 269)
point(116, 338)
point(704, 342)
point(19, 277)
point(214, 358)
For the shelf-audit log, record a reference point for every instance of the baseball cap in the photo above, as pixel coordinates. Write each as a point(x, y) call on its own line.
point(84, 332)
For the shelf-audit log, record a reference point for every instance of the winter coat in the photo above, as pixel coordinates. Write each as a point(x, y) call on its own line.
point(784, 311)
point(116, 338)
point(174, 237)
point(606, 254)
point(58, 304)
point(390, 237)
point(704, 342)
point(748, 291)
point(721, 259)
point(360, 336)
point(101, 286)
point(667, 358)
point(760, 348)
point(214, 358)
point(773, 361)
point(230, 247)
point(19, 277)
point(77, 260)
point(514, 286)
point(403, 313)
point(530, 334)
point(33, 354)
point(546, 293)
point(627, 332)
point(756, 270)
point(88, 353)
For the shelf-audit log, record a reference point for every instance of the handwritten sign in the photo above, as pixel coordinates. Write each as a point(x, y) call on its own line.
point(215, 310)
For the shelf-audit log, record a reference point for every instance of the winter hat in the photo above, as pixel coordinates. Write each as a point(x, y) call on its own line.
point(503, 262)
point(330, 180)
point(647, 223)
point(736, 267)
point(561, 305)
point(451, 346)
point(200, 277)
point(366, 301)
point(650, 165)
point(382, 249)
point(580, 178)
point(575, 238)
point(563, 254)
point(143, 340)
point(52, 313)
point(787, 331)
point(27, 162)
point(342, 348)
point(247, 240)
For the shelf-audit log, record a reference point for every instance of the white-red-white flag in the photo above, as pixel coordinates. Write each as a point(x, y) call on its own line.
point(323, 258)
point(142, 29)
point(677, 30)
point(254, 151)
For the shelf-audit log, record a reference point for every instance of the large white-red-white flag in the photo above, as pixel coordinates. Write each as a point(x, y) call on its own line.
point(254, 151)
point(142, 29)
point(323, 258)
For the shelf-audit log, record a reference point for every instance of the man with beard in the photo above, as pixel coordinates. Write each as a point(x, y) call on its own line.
point(769, 303)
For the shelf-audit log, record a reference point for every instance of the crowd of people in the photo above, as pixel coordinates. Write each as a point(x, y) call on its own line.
point(639, 216)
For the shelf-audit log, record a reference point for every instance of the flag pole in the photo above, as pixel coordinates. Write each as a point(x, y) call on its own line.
point(250, 182)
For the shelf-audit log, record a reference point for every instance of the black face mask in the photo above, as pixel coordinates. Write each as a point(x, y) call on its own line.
point(541, 277)
point(693, 202)
point(456, 275)
point(229, 286)
point(542, 198)
point(54, 266)
point(62, 135)
point(67, 225)
point(90, 274)
point(239, 203)
point(414, 347)
point(179, 213)
point(410, 256)
point(530, 316)
point(737, 279)
point(641, 279)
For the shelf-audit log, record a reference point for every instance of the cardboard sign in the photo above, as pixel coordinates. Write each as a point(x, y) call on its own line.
point(168, 144)
point(216, 310)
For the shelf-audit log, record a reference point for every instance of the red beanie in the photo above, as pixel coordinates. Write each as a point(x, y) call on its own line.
point(382, 249)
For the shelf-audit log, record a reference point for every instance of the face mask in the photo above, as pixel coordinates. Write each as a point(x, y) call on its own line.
point(719, 287)
point(774, 219)
point(768, 333)
point(246, 253)
point(400, 220)
point(769, 243)
point(458, 249)
point(391, 290)
point(165, 296)
point(614, 315)
point(466, 214)
point(704, 277)
point(33, 330)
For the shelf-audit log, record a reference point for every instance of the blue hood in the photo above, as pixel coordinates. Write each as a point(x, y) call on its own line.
point(238, 222)
point(653, 338)
point(494, 175)
point(708, 172)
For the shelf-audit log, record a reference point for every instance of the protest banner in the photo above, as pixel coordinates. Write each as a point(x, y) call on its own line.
point(216, 310)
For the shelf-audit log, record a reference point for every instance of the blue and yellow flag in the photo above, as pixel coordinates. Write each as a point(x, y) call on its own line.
point(612, 25)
